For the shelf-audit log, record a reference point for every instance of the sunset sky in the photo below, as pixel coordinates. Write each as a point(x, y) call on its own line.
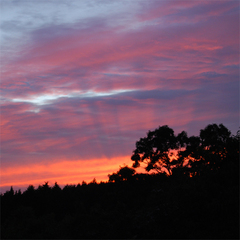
point(82, 81)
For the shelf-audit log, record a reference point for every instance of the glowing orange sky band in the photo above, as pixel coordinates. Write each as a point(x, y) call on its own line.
point(63, 172)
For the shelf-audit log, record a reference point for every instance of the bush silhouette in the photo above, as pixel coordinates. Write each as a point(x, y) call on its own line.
point(123, 174)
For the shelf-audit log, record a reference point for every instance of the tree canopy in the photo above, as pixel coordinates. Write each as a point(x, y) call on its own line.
point(193, 192)
point(163, 151)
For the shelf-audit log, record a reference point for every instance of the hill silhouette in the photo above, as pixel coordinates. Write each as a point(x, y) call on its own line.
point(199, 200)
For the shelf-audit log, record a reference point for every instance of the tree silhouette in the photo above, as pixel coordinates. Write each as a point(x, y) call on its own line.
point(196, 154)
point(210, 150)
point(142, 205)
point(56, 187)
point(123, 174)
point(156, 150)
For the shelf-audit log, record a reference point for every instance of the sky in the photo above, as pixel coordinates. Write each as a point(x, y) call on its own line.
point(82, 81)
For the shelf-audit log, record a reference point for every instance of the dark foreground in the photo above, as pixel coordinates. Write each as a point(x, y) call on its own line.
point(155, 207)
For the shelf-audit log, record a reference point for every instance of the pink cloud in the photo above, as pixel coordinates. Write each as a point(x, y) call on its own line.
point(178, 60)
